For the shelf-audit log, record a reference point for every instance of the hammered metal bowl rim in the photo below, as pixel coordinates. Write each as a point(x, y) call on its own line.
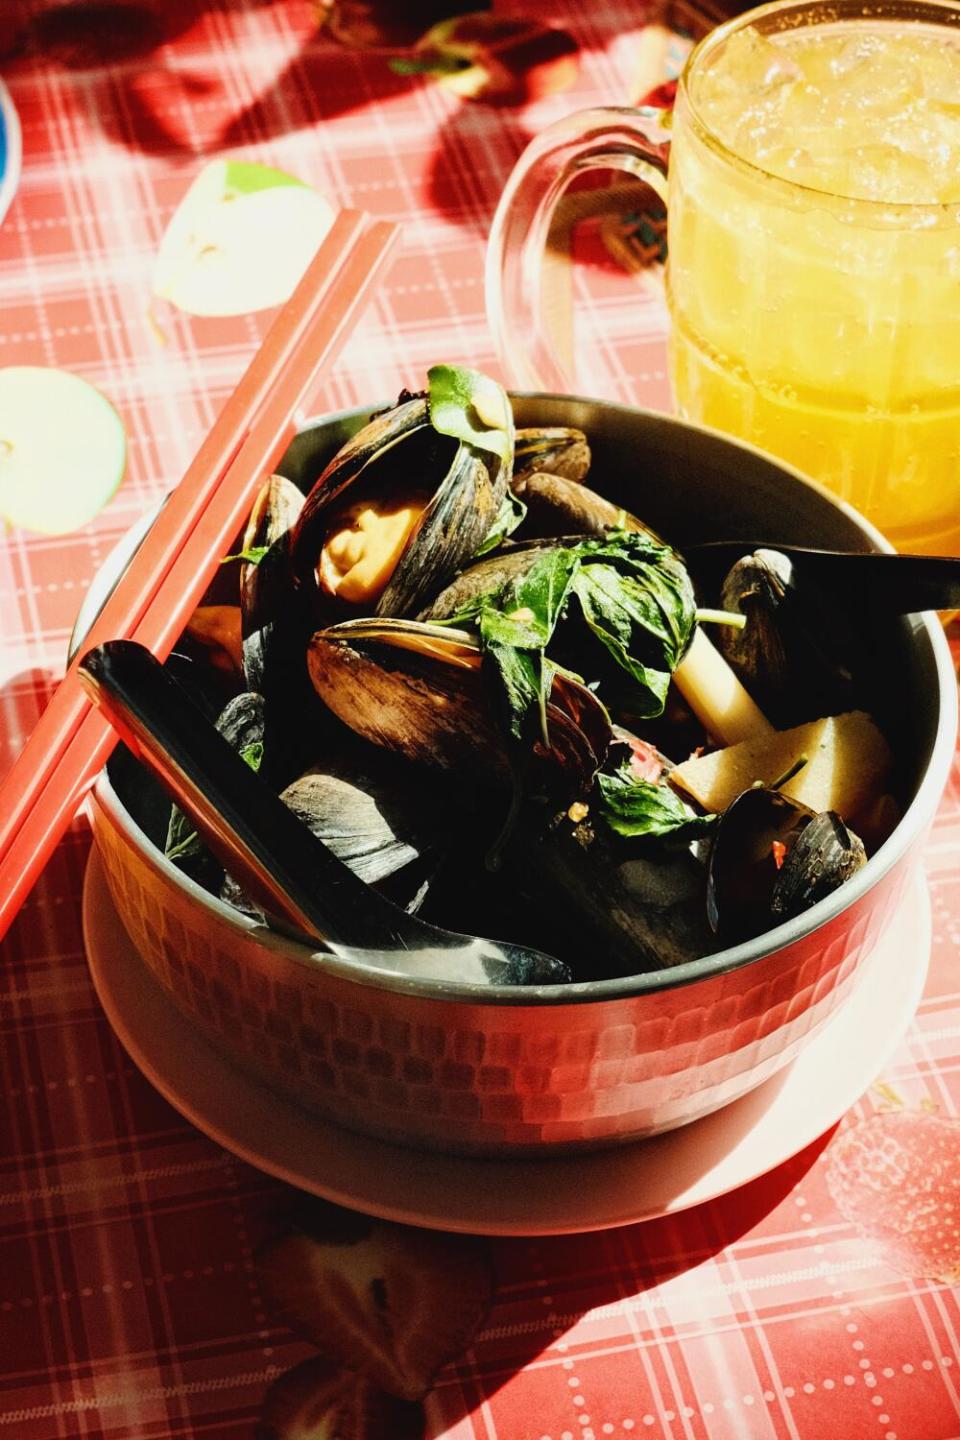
point(926, 628)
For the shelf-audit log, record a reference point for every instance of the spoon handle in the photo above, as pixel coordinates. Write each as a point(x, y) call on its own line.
point(890, 584)
point(280, 863)
point(295, 877)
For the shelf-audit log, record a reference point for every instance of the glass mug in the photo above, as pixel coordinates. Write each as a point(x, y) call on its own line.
point(813, 224)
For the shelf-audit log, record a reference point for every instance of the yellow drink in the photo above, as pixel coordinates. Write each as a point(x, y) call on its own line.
point(814, 272)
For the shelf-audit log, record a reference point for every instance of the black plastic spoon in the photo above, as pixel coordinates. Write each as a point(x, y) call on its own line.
point(890, 584)
point(304, 888)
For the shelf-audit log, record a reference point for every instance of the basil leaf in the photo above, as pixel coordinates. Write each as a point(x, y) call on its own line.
point(470, 407)
point(253, 754)
point(616, 609)
point(635, 808)
point(516, 629)
point(512, 513)
point(635, 600)
point(520, 677)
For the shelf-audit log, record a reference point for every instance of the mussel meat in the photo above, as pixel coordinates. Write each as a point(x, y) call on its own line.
point(216, 630)
point(397, 512)
point(771, 859)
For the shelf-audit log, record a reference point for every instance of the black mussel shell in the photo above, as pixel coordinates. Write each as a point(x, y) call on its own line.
point(557, 507)
point(609, 906)
point(825, 855)
point(550, 450)
point(773, 858)
point(485, 577)
point(386, 821)
point(420, 690)
point(743, 867)
point(789, 653)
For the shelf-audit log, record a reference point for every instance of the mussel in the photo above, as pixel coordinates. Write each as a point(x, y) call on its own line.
point(549, 450)
point(558, 507)
point(420, 690)
point(619, 907)
point(398, 510)
point(215, 631)
point(485, 577)
point(387, 822)
point(771, 859)
point(267, 592)
point(788, 655)
point(277, 621)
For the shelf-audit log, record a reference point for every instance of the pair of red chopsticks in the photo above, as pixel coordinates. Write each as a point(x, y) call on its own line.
point(170, 572)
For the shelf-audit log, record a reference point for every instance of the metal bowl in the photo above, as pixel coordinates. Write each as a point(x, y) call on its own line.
point(503, 1071)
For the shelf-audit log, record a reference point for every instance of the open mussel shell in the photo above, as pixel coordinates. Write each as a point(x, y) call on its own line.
point(420, 690)
point(399, 462)
point(771, 859)
point(277, 620)
point(267, 590)
point(787, 654)
point(550, 450)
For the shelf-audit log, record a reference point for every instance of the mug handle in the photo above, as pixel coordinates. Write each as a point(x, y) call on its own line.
point(634, 140)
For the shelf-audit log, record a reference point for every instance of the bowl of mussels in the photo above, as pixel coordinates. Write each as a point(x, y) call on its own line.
point(479, 644)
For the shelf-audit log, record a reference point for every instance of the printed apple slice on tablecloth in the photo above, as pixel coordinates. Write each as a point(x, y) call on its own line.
point(507, 59)
point(239, 240)
point(63, 449)
point(390, 1301)
point(896, 1178)
point(319, 1401)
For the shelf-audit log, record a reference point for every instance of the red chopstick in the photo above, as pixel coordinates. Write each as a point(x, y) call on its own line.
point(180, 554)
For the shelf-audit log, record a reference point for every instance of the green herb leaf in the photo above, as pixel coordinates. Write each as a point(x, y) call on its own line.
point(635, 808)
point(253, 754)
point(253, 556)
point(635, 600)
point(512, 513)
point(470, 407)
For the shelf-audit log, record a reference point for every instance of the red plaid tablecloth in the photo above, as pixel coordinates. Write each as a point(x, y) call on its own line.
point(130, 1301)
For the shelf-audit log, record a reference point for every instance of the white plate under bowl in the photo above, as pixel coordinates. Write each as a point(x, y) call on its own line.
point(553, 1196)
